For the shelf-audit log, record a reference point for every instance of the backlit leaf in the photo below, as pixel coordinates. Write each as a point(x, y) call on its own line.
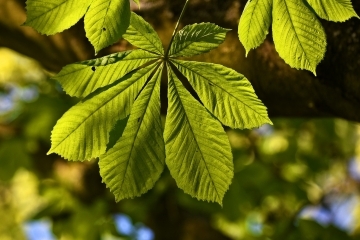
point(196, 39)
point(198, 153)
point(254, 23)
point(225, 93)
point(136, 161)
point(333, 10)
point(142, 35)
point(83, 131)
point(82, 78)
point(298, 35)
point(106, 21)
point(53, 16)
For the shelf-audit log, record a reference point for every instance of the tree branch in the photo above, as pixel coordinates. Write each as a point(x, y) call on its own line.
point(285, 91)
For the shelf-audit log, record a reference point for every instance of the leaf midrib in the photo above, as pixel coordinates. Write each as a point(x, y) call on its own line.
point(296, 34)
point(49, 10)
point(107, 101)
point(103, 22)
point(150, 40)
point(191, 42)
point(192, 131)
point(137, 131)
point(252, 14)
point(222, 89)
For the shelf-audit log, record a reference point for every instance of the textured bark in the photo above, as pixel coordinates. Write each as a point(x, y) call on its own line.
point(285, 91)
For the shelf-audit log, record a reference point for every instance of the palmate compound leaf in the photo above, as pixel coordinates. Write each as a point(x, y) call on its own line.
point(198, 153)
point(137, 159)
point(298, 35)
point(83, 131)
point(82, 78)
point(106, 21)
point(142, 35)
point(333, 10)
point(53, 16)
point(196, 39)
point(254, 23)
point(225, 93)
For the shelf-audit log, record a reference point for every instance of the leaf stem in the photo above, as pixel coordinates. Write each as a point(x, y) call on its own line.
point(176, 28)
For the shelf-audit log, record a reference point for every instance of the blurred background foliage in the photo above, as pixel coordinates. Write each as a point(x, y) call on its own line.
point(298, 179)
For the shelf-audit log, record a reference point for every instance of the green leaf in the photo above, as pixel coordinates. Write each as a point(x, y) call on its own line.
point(298, 35)
point(225, 93)
point(196, 39)
point(106, 21)
point(82, 78)
point(333, 10)
point(142, 35)
point(53, 16)
point(137, 160)
point(83, 131)
point(254, 23)
point(198, 153)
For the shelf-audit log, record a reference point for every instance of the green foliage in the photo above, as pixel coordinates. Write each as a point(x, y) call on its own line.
point(83, 131)
point(197, 148)
point(198, 153)
point(298, 34)
point(118, 118)
point(277, 171)
point(196, 39)
point(133, 165)
point(100, 72)
point(141, 34)
point(254, 23)
point(53, 16)
point(105, 20)
point(239, 106)
point(333, 10)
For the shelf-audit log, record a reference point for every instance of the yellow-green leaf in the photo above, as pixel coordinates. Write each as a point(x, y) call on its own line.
point(53, 16)
point(298, 35)
point(333, 10)
point(137, 159)
point(198, 152)
point(254, 23)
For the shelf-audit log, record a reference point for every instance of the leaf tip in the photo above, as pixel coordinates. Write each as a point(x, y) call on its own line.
point(270, 122)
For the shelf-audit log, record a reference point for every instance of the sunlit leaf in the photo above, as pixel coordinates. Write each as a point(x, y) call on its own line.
point(53, 16)
point(254, 23)
point(298, 35)
point(333, 10)
point(142, 35)
point(136, 161)
point(106, 21)
point(198, 152)
point(83, 131)
point(225, 93)
point(82, 78)
point(197, 38)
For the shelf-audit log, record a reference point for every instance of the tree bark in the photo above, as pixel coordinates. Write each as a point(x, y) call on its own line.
point(285, 91)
